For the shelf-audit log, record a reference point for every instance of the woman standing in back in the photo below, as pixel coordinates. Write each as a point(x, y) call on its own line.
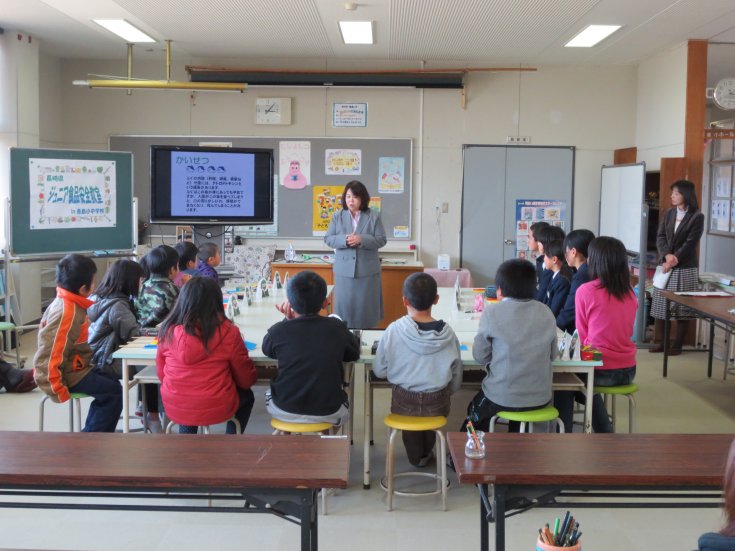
point(677, 239)
point(356, 233)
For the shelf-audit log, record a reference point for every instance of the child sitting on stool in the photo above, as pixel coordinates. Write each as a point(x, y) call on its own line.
point(419, 355)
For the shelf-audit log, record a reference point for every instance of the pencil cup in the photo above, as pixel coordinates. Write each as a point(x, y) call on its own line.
point(475, 446)
point(541, 546)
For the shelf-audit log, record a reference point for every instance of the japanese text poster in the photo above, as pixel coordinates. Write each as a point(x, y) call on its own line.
point(72, 193)
point(294, 163)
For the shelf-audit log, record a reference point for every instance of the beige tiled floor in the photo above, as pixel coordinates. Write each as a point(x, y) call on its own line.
point(684, 402)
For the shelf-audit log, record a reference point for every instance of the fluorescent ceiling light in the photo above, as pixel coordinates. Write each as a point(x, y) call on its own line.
point(356, 32)
point(591, 36)
point(124, 30)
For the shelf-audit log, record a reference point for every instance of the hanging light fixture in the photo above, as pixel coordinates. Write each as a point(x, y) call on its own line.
point(167, 84)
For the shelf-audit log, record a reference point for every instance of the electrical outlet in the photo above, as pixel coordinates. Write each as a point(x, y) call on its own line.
point(445, 208)
point(518, 139)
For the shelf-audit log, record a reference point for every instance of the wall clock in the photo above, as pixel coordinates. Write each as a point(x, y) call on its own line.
point(725, 93)
point(273, 111)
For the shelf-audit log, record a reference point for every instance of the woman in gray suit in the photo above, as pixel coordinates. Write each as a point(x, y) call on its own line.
point(356, 233)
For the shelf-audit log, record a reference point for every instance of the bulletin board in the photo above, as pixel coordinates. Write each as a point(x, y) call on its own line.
point(310, 175)
point(64, 200)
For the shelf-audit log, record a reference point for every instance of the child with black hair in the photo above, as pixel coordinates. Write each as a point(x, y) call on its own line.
point(545, 235)
point(112, 316)
point(533, 245)
point(310, 350)
point(576, 244)
point(516, 341)
point(558, 287)
point(605, 311)
point(205, 371)
point(158, 293)
point(62, 362)
point(155, 300)
point(187, 262)
point(209, 258)
point(419, 355)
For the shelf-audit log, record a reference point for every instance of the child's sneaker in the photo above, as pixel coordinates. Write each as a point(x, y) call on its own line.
point(139, 410)
point(154, 426)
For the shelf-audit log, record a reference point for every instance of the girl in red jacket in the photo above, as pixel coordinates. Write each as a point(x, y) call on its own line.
point(202, 362)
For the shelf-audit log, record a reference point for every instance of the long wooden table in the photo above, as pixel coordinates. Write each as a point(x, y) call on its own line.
point(714, 310)
point(279, 475)
point(581, 461)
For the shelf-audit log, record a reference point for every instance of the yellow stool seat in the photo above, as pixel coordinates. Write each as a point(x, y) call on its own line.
point(411, 423)
point(549, 413)
point(283, 426)
point(621, 389)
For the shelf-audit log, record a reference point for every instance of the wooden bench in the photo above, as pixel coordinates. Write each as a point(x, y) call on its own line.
point(558, 462)
point(280, 475)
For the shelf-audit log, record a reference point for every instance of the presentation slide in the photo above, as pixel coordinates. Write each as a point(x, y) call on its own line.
point(212, 184)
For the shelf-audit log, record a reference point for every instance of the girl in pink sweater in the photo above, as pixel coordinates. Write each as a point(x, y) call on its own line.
point(605, 314)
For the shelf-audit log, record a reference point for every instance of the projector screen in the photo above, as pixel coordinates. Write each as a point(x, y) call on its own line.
point(211, 185)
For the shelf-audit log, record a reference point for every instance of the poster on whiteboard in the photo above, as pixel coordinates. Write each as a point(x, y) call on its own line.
point(72, 193)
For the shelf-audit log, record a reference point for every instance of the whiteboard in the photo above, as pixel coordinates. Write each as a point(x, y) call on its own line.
point(622, 204)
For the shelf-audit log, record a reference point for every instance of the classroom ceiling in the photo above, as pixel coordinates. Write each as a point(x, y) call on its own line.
point(469, 32)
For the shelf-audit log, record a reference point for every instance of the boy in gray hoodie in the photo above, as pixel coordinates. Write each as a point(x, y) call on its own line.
point(419, 355)
point(516, 342)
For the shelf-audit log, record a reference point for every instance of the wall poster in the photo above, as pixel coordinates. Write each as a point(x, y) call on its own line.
point(72, 193)
point(530, 211)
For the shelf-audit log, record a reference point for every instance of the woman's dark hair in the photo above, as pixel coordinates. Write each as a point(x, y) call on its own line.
point(728, 494)
point(187, 253)
point(198, 309)
point(122, 277)
point(686, 188)
point(608, 262)
point(358, 189)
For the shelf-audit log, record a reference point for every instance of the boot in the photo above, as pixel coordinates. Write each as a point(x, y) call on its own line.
point(658, 329)
point(682, 326)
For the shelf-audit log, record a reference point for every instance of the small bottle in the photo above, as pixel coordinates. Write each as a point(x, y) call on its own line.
point(290, 253)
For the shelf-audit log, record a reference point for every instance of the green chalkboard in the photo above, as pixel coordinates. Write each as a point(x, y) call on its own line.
point(65, 201)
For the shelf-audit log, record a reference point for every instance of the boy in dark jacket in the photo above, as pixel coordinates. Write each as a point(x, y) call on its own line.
point(310, 350)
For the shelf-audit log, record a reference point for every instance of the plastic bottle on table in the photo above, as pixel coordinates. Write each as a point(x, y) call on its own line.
point(290, 253)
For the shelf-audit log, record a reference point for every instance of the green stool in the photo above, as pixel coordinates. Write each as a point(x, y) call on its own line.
point(549, 413)
point(622, 390)
point(75, 411)
point(6, 326)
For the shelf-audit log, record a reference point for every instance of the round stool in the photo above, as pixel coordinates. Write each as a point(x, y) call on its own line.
point(75, 411)
point(549, 413)
point(621, 390)
point(284, 427)
point(205, 428)
point(407, 422)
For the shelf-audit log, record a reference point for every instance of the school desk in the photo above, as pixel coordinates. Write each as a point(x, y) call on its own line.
point(715, 310)
point(278, 475)
point(558, 462)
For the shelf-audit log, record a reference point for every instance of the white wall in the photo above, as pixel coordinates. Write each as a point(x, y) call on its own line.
point(558, 106)
point(661, 106)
